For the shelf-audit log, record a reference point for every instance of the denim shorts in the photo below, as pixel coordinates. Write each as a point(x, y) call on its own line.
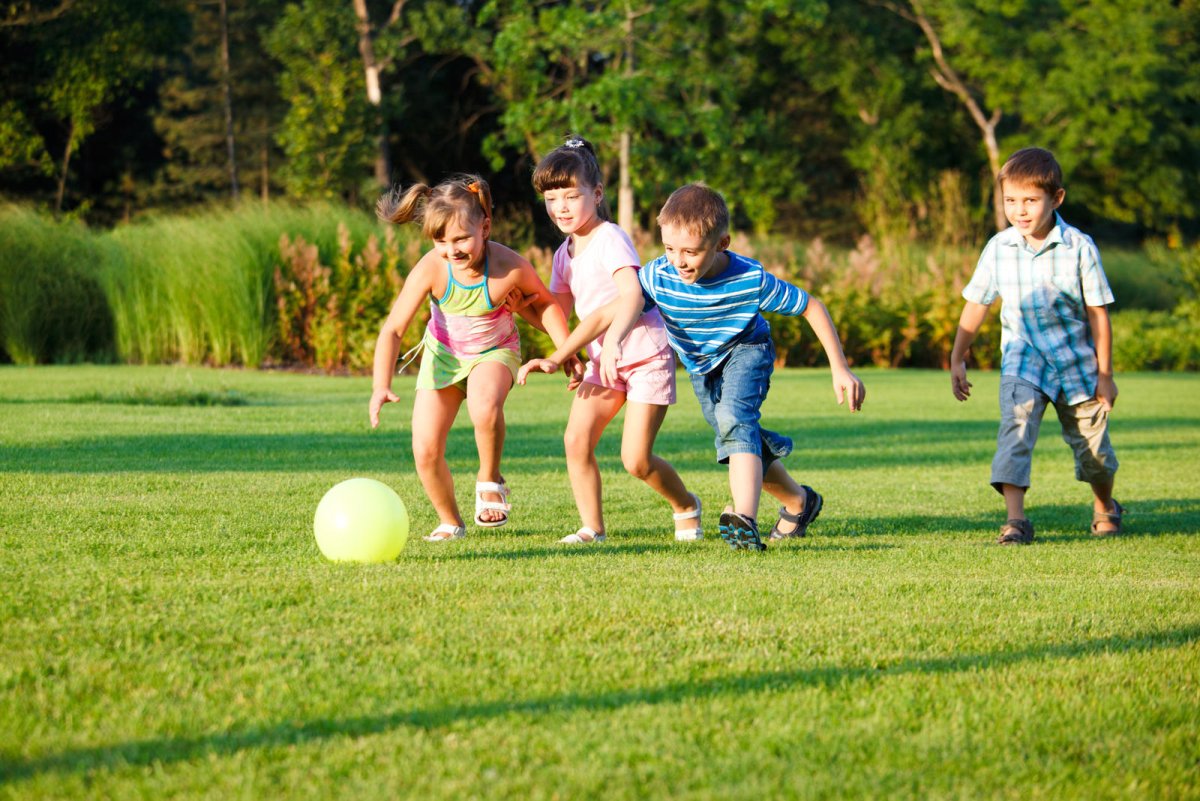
point(1084, 428)
point(731, 397)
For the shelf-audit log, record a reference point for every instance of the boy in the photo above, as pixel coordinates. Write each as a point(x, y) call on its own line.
point(1056, 341)
point(710, 300)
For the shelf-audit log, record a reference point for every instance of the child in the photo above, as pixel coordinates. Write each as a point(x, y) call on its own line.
point(471, 347)
point(1056, 341)
point(596, 264)
point(710, 300)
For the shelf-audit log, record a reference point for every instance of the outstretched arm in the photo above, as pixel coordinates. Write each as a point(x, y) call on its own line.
point(1106, 385)
point(969, 322)
point(588, 329)
point(846, 385)
point(387, 345)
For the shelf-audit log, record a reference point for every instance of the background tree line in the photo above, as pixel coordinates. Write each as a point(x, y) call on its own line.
point(815, 118)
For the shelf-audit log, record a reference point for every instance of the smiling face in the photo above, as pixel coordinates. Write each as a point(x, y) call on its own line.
point(463, 243)
point(1030, 209)
point(692, 256)
point(573, 208)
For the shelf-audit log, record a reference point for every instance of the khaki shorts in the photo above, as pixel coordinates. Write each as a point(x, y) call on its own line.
point(1084, 428)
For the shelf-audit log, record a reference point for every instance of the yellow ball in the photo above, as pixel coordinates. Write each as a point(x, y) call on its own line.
point(361, 520)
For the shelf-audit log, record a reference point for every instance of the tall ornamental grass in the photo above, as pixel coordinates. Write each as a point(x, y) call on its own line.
point(200, 289)
point(52, 305)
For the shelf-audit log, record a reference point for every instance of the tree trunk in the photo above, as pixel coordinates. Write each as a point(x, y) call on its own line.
point(227, 91)
point(371, 69)
point(625, 215)
point(62, 176)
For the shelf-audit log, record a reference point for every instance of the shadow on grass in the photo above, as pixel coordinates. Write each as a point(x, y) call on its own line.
point(161, 751)
point(610, 549)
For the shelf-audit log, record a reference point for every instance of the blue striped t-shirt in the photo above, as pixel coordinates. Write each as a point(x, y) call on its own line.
point(707, 319)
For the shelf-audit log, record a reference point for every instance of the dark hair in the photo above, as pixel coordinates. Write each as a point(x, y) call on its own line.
point(461, 197)
point(1033, 165)
point(573, 163)
point(697, 209)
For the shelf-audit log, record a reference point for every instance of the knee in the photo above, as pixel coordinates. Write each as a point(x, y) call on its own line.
point(486, 415)
point(577, 445)
point(427, 453)
point(637, 464)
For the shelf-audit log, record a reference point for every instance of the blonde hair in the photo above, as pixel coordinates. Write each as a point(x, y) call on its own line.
point(1034, 166)
point(573, 163)
point(465, 198)
point(699, 210)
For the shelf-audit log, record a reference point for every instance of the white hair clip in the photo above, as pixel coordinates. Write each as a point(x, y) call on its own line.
point(573, 143)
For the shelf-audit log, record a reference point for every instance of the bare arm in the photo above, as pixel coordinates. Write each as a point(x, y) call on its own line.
point(387, 346)
point(1106, 385)
point(969, 322)
point(846, 385)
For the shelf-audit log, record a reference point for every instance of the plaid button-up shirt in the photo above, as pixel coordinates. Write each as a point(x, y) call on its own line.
point(1045, 336)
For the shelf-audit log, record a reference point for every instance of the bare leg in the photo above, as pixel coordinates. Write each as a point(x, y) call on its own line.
point(642, 422)
point(487, 388)
point(785, 489)
point(592, 410)
point(746, 483)
point(1103, 502)
point(433, 413)
point(1014, 501)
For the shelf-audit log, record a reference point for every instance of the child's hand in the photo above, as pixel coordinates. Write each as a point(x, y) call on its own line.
point(847, 387)
point(958, 380)
point(573, 367)
point(1106, 392)
point(516, 300)
point(545, 365)
point(378, 398)
point(609, 357)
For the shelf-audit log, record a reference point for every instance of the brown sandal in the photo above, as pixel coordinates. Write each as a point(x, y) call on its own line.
point(1113, 518)
point(1016, 532)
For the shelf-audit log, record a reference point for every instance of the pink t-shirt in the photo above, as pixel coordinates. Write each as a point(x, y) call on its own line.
point(589, 277)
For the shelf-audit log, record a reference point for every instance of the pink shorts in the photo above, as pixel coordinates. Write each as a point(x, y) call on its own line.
point(651, 381)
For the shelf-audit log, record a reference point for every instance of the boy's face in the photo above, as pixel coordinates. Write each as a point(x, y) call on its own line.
point(692, 255)
point(1030, 208)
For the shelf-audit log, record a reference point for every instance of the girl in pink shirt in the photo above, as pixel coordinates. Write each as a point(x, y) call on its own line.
point(596, 264)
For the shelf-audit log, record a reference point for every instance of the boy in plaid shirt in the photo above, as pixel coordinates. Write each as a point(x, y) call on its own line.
point(1056, 341)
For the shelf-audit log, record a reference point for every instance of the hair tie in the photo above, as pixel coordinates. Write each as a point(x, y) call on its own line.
point(476, 189)
point(574, 143)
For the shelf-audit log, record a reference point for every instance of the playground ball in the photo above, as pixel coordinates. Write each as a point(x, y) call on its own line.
point(361, 520)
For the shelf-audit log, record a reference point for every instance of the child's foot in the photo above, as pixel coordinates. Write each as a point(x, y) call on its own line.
point(586, 535)
point(685, 532)
point(491, 503)
point(1106, 521)
point(795, 523)
point(740, 532)
point(444, 532)
point(1016, 532)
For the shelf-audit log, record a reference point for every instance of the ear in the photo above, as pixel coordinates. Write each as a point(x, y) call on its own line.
point(1058, 197)
point(486, 228)
point(723, 242)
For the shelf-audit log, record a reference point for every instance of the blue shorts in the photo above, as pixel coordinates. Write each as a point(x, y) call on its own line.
point(731, 397)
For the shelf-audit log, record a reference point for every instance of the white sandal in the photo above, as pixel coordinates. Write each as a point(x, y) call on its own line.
point(501, 489)
point(690, 534)
point(584, 536)
point(445, 532)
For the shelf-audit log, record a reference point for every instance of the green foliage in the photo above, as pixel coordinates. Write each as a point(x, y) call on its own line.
point(52, 308)
point(325, 133)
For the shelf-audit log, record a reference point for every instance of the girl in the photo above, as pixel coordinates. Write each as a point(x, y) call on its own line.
point(593, 266)
point(471, 348)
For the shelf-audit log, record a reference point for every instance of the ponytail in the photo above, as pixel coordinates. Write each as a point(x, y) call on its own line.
point(464, 197)
point(401, 207)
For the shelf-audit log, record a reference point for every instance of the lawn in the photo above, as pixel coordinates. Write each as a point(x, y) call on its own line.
point(169, 628)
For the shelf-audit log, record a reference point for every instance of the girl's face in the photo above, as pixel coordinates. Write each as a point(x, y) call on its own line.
point(573, 208)
point(463, 243)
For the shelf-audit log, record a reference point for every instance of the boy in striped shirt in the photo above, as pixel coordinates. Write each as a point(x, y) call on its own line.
point(711, 301)
point(1056, 341)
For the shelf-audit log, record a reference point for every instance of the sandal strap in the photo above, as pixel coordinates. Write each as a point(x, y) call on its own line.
point(578, 539)
point(695, 513)
point(791, 518)
point(452, 532)
point(499, 487)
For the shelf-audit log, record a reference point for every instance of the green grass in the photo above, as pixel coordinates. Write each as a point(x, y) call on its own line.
point(170, 630)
